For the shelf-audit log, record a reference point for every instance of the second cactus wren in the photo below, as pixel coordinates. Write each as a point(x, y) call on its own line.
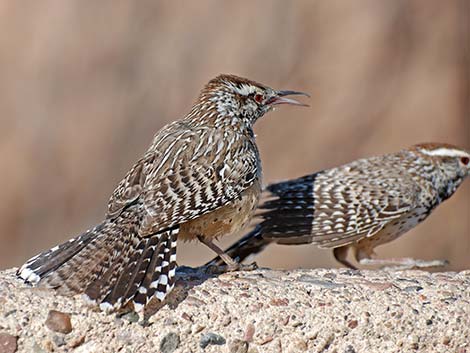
point(199, 179)
point(359, 205)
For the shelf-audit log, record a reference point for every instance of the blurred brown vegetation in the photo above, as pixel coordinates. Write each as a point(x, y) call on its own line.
point(84, 86)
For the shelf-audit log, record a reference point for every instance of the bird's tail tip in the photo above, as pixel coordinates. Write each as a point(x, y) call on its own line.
point(109, 271)
point(28, 275)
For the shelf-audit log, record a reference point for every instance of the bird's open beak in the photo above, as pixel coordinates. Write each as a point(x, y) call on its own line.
point(280, 98)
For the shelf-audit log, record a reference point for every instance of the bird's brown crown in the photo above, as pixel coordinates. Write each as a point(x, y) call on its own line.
point(229, 79)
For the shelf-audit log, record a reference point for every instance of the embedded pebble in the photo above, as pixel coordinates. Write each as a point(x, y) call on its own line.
point(249, 332)
point(169, 343)
point(211, 338)
point(8, 343)
point(58, 321)
point(413, 289)
point(226, 321)
point(352, 324)
point(59, 341)
point(197, 328)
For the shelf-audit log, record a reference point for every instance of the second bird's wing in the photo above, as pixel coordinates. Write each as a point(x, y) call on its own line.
point(335, 207)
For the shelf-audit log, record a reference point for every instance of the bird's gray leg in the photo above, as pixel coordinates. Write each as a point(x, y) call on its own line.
point(341, 254)
point(232, 265)
point(405, 263)
point(364, 257)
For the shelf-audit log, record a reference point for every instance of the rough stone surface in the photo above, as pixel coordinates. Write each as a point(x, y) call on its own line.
point(238, 346)
point(316, 310)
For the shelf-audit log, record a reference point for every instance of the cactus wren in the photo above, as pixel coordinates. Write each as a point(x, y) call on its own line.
point(199, 179)
point(359, 205)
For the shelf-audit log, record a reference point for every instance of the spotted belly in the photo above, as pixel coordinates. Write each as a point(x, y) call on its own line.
point(225, 220)
point(394, 229)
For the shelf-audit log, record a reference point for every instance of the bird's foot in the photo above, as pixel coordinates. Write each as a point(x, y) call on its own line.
point(217, 270)
point(242, 267)
point(404, 263)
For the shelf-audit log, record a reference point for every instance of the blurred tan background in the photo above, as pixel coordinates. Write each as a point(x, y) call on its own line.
point(84, 85)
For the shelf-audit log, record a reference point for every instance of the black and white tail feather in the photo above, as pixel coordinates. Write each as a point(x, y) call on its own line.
point(286, 218)
point(110, 271)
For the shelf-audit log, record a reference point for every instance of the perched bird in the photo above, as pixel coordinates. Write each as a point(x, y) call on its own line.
point(199, 179)
point(359, 205)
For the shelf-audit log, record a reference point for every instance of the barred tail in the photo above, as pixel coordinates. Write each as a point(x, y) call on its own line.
point(110, 264)
point(149, 273)
point(69, 266)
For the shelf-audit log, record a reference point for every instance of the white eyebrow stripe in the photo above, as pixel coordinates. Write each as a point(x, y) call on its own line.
point(245, 90)
point(445, 152)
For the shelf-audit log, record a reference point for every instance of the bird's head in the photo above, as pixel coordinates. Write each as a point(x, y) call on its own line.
point(452, 162)
point(234, 99)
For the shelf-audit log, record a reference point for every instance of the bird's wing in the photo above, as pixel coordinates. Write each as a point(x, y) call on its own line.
point(186, 174)
point(130, 187)
point(363, 211)
point(335, 208)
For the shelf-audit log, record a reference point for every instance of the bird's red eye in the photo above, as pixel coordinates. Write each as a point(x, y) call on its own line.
point(465, 160)
point(258, 98)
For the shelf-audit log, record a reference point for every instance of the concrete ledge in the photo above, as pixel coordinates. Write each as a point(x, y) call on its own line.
point(316, 310)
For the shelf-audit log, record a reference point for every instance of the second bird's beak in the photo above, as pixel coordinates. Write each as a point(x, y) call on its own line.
point(280, 98)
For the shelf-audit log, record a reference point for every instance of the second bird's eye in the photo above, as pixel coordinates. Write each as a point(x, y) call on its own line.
point(258, 98)
point(465, 160)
